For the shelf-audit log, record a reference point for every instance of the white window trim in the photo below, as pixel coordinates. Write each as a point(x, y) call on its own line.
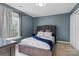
point(19, 30)
point(14, 38)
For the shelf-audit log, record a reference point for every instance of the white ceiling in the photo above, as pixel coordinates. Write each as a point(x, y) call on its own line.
point(48, 9)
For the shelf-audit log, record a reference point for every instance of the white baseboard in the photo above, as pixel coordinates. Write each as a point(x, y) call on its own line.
point(63, 42)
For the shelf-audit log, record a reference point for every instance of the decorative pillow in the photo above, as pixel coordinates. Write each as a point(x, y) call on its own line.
point(40, 33)
point(47, 34)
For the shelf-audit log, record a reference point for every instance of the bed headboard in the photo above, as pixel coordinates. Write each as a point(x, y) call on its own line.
point(49, 28)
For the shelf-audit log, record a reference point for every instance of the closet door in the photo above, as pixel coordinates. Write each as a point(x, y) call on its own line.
point(73, 31)
point(77, 31)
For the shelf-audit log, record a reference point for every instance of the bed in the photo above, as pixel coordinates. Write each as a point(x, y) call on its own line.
point(40, 45)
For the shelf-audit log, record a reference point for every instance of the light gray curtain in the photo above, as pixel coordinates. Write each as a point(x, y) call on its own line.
point(5, 22)
point(1, 21)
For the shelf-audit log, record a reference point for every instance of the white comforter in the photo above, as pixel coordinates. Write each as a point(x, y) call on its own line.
point(36, 43)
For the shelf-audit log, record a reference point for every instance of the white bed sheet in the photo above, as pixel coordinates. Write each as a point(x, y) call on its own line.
point(35, 43)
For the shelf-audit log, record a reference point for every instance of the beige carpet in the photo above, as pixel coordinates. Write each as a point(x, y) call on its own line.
point(63, 49)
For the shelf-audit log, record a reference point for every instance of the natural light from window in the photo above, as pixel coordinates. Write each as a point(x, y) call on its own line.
point(15, 28)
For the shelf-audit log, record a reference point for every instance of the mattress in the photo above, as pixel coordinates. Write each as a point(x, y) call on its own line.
point(36, 43)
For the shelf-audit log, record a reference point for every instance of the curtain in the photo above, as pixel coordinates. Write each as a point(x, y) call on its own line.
point(5, 22)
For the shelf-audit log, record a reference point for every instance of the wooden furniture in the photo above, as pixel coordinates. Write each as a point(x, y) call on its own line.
point(7, 48)
point(34, 51)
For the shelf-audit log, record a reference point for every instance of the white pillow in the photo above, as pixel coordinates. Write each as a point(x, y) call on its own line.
point(47, 34)
point(51, 38)
point(40, 33)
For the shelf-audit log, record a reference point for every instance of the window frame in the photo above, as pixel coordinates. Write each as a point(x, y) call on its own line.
point(19, 28)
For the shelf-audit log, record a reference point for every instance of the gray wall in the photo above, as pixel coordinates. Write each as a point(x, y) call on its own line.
point(27, 27)
point(62, 22)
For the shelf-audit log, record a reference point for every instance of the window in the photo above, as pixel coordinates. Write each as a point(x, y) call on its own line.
point(15, 28)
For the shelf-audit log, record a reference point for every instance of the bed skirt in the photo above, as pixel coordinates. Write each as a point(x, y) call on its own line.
point(32, 51)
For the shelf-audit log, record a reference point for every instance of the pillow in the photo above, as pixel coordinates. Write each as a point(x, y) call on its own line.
point(51, 38)
point(40, 33)
point(47, 34)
